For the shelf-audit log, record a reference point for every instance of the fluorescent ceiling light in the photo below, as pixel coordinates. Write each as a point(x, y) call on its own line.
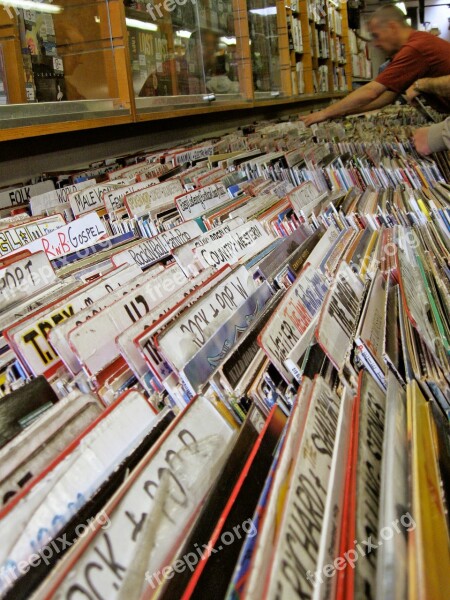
point(229, 41)
point(401, 6)
point(183, 33)
point(136, 24)
point(29, 5)
point(264, 12)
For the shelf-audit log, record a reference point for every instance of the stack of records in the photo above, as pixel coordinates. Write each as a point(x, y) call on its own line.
point(225, 369)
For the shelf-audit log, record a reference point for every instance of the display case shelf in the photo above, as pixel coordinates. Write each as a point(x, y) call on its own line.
point(21, 115)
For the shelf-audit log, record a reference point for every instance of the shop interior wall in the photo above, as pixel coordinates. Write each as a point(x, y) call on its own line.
point(439, 15)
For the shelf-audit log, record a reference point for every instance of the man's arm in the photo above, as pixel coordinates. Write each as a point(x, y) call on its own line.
point(355, 102)
point(440, 86)
point(434, 138)
point(386, 98)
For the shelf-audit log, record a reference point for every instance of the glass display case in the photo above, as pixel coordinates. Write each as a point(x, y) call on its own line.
point(182, 53)
point(265, 54)
point(103, 62)
point(63, 60)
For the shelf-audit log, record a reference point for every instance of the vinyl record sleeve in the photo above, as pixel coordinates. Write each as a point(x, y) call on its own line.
point(25, 277)
point(339, 315)
point(215, 572)
point(392, 559)
point(192, 329)
point(197, 371)
point(126, 340)
point(50, 499)
point(93, 342)
point(292, 317)
point(19, 403)
point(31, 450)
point(91, 513)
point(29, 336)
point(184, 461)
point(291, 573)
point(332, 533)
point(146, 342)
point(428, 571)
point(368, 482)
point(214, 505)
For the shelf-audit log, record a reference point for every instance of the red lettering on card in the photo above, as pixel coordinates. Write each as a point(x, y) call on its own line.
point(62, 240)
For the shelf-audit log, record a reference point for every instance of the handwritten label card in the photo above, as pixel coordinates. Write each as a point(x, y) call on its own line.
point(77, 235)
point(195, 203)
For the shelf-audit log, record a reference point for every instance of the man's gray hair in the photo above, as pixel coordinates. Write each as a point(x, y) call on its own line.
point(389, 12)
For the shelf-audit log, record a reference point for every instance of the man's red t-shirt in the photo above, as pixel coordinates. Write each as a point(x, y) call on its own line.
point(423, 55)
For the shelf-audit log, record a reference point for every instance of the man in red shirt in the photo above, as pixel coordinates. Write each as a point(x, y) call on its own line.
point(416, 54)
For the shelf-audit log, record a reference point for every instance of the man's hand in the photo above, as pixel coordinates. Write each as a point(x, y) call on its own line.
point(315, 117)
point(412, 93)
point(421, 141)
point(372, 95)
